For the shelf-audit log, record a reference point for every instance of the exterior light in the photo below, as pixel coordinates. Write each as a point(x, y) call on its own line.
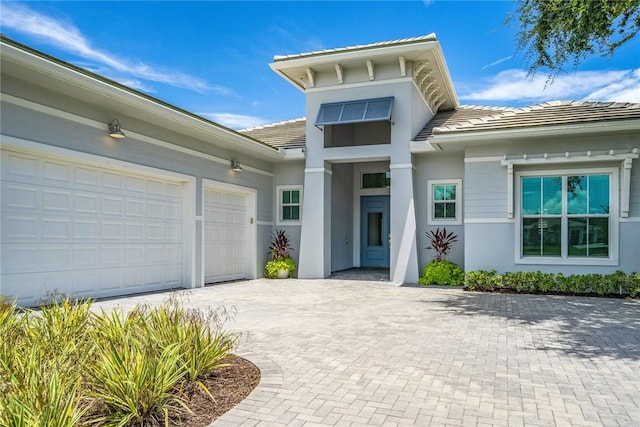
point(235, 165)
point(115, 131)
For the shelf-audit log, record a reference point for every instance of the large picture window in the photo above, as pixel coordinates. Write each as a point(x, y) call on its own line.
point(565, 216)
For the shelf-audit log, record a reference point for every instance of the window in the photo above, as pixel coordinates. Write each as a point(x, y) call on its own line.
point(566, 216)
point(445, 202)
point(376, 180)
point(289, 203)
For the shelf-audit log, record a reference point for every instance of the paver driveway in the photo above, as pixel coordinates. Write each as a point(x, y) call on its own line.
point(340, 353)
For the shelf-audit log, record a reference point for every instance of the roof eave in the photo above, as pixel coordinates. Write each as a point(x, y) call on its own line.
point(499, 135)
point(47, 65)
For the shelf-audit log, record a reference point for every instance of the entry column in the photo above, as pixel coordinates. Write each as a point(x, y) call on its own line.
point(404, 254)
point(315, 234)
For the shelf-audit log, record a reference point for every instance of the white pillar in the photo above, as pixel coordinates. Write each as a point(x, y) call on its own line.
point(315, 234)
point(404, 254)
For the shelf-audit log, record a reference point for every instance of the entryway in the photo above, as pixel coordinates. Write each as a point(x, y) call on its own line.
point(374, 231)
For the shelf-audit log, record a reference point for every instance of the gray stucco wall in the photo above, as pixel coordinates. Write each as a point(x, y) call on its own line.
point(429, 167)
point(289, 173)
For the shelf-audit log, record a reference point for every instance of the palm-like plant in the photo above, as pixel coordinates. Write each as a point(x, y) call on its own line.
point(441, 242)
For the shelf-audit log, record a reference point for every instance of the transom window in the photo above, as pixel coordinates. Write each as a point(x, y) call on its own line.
point(445, 202)
point(289, 202)
point(565, 216)
point(376, 180)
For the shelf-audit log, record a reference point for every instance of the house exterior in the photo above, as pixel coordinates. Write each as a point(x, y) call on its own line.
point(385, 154)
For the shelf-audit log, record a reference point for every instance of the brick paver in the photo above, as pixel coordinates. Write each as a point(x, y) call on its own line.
point(354, 353)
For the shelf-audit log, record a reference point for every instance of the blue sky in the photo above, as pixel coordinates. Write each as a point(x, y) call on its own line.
point(212, 57)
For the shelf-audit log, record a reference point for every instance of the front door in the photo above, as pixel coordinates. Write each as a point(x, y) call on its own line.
point(374, 232)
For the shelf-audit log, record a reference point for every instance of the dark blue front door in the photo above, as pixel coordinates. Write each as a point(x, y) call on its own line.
point(374, 231)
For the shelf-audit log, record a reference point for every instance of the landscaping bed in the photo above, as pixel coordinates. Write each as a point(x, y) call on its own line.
point(64, 365)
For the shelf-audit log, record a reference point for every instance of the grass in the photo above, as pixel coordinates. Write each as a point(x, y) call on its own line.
point(64, 365)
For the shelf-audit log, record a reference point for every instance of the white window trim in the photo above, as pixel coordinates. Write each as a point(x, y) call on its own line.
point(279, 190)
point(430, 219)
point(614, 189)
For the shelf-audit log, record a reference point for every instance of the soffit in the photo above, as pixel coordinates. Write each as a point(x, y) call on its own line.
point(419, 58)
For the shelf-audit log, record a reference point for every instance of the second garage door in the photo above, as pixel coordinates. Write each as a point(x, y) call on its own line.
point(226, 231)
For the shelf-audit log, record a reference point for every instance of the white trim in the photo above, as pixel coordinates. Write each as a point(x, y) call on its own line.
point(488, 221)
point(252, 235)
point(99, 125)
point(630, 219)
point(319, 170)
point(614, 233)
point(279, 221)
point(401, 166)
point(458, 219)
point(483, 159)
point(359, 84)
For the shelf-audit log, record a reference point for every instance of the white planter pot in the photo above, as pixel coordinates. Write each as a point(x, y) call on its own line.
point(283, 274)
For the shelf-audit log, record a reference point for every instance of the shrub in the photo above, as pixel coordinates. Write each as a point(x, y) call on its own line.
point(441, 242)
point(482, 280)
point(529, 281)
point(272, 267)
point(632, 285)
point(280, 246)
point(442, 272)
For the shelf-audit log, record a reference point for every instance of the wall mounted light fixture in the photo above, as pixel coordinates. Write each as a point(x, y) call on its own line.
point(235, 165)
point(115, 131)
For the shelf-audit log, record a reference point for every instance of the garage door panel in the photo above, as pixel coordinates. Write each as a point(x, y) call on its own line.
point(226, 245)
point(87, 230)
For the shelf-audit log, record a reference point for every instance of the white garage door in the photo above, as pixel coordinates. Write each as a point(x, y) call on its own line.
point(86, 230)
point(226, 251)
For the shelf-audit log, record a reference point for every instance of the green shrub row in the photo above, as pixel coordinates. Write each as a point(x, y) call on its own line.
point(538, 282)
point(65, 365)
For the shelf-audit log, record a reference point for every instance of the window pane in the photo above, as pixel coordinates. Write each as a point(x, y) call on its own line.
point(295, 212)
point(295, 196)
point(531, 237)
point(286, 197)
point(450, 210)
point(551, 195)
point(599, 194)
point(589, 237)
point(541, 236)
point(450, 192)
point(531, 195)
point(438, 210)
point(599, 237)
point(438, 192)
point(374, 235)
point(286, 213)
point(576, 195)
point(551, 242)
point(379, 109)
point(376, 180)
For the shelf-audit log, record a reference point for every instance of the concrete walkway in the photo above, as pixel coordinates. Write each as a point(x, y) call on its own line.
point(347, 353)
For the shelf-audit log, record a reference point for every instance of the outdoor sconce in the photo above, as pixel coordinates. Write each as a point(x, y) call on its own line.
point(115, 131)
point(235, 165)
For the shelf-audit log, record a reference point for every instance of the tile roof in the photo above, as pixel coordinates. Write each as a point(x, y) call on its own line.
point(287, 134)
point(465, 119)
point(428, 37)
point(291, 133)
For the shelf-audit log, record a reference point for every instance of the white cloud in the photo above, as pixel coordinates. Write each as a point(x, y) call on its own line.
point(515, 85)
point(235, 121)
point(67, 37)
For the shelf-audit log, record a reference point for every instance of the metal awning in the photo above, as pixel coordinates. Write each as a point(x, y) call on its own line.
point(364, 110)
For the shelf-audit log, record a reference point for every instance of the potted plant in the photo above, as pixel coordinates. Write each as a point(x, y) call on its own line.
point(281, 264)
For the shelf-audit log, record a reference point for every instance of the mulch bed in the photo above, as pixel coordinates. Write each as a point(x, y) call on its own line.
point(228, 386)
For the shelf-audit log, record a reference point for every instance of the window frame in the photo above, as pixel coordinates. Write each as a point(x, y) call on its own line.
point(431, 220)
point(279, 190)
point(564, 258)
